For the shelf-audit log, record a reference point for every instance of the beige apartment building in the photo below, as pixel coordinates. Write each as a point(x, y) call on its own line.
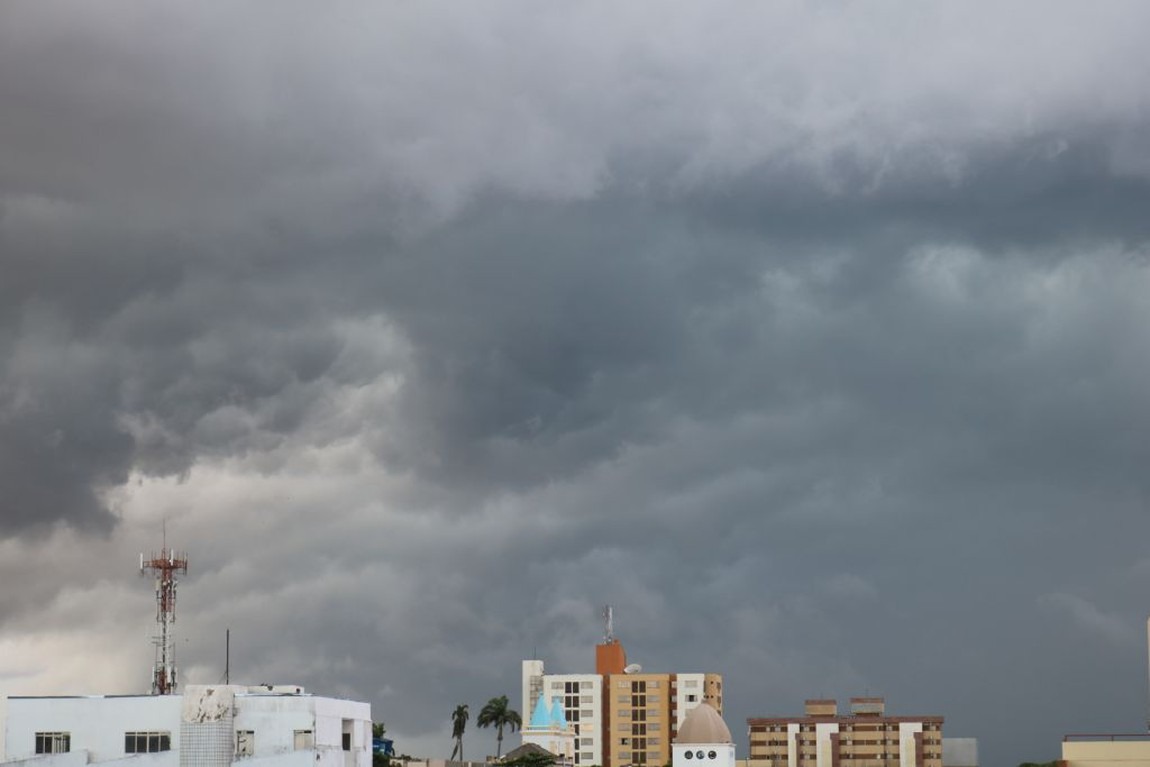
point(1131, 750)
point(622, 715)
point(866, 737)
point(645, 711)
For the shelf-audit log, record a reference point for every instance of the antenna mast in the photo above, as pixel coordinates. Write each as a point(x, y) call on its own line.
point(165, 566)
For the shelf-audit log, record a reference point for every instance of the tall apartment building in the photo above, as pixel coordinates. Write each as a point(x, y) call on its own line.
point(622, 716)
point(866, 737)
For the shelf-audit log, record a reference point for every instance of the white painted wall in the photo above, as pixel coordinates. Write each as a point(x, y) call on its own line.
point(792, 749)
point(700, 755)
point(687, 685)
point(823, 732)
point(531, 686)
point(906, 732)
point(97, 726)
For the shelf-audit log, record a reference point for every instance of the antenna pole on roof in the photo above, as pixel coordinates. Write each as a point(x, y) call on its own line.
point(165, 566)
point(608, 625)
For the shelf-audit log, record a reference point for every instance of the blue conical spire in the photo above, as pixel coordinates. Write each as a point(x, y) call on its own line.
point(540, 717)
point(557, 718)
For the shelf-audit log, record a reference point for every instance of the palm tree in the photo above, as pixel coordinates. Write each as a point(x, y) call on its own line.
point(496, 714)
point(458, 724)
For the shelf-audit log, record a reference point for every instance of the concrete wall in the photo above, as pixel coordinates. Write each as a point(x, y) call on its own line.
point(960, 752)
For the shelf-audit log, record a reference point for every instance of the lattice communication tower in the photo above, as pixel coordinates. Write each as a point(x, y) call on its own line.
point(165, 566)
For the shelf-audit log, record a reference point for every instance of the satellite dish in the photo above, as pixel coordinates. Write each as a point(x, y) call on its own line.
point(634, 668)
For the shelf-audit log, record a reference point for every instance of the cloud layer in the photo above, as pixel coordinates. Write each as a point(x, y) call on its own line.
point(428, 329)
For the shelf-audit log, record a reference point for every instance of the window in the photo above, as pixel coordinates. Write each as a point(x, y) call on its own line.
point(692, 698)
point(303, 740)
point(585, 686)
point(586, 713)
point(586, 700)
point(53, 742)
point(346, 729)
point(245, 742)
point(147, 742)
point(587, 756)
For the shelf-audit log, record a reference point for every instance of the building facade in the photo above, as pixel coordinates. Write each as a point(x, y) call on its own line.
point(1132, 750)
point(621, 715)
point(866, 737)
point(205, 726)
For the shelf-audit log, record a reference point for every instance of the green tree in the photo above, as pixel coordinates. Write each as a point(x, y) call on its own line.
point(531, 760)
point(378, 759)
point(498, 714)
point(458, 724)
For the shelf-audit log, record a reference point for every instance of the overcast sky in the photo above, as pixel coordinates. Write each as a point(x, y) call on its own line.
point(814, 336)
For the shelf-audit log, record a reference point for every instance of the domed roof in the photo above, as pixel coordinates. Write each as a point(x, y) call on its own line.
point(702, 724)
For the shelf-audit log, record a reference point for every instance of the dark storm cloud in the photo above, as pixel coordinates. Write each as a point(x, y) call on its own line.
point(430, 329)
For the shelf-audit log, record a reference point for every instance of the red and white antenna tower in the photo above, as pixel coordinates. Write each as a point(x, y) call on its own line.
point(165, 566)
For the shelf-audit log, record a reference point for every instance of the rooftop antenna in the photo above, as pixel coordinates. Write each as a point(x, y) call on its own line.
point(608, 625)
point(165, 566)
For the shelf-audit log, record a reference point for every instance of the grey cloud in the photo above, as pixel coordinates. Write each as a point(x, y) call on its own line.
point(429, 330)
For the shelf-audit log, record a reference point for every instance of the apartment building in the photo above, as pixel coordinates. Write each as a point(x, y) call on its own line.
point(621, 715)
point(866, 737)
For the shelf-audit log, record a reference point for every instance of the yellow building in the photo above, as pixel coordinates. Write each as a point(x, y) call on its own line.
point(644, 712)
point(1106, 751)
point(866, 737)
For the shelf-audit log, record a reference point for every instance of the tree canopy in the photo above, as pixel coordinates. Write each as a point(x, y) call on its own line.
point(498, 713)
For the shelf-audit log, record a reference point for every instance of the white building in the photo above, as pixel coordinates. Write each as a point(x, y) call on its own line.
point(206, 726)
point(581, 700)
point(704, 740)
